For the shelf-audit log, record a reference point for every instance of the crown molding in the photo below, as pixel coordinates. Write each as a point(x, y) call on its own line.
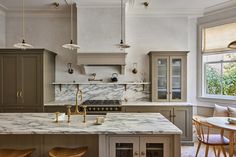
point(231, 4)
point(99, 4)
point(39, 13)
point(164, 12)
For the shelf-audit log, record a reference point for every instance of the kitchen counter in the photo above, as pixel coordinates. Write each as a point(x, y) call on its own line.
point(139, 103)
point(115, 123)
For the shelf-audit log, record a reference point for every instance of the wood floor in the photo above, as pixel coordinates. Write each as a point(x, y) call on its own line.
point(190, 151)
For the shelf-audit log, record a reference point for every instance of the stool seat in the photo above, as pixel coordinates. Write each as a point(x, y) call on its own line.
point(16, 152)
point(68, 152)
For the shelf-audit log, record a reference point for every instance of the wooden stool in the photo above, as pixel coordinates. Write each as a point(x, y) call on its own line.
point(16, 153)
point(68, 152)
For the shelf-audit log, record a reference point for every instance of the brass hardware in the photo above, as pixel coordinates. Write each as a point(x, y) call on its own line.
point(142, 153)
point(17, 94)
point(57, 115)
point(77, 112)
point(22, 96)
point(136, 153)
point(93, 78)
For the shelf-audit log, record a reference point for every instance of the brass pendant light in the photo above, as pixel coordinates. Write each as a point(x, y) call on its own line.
point(232, 45)
point(122, 45)
point(71, 45)
point(23, 44)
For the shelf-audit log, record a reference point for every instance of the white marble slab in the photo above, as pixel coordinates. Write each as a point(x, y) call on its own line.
point(115, 123)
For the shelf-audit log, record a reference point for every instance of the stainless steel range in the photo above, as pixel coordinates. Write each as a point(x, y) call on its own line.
point(102, 106)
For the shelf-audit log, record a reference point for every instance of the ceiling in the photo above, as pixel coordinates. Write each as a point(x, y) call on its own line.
point(157, 4)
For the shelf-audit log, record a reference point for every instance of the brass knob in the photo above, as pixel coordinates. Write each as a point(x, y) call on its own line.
point(142, 153)
point(136, 153)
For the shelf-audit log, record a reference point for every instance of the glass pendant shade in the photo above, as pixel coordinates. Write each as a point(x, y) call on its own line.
point(71, 45)
point(122, 45)
point(23, 44)
point(232, 45)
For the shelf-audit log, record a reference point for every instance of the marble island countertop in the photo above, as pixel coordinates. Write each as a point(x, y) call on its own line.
point(115, 123)
point(138, 103)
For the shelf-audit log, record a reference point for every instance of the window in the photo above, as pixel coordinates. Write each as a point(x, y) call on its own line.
point(220, 75)
point(218, 62)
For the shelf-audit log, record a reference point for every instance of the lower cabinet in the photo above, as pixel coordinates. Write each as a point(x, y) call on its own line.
point(181, 116)
point(143, 146)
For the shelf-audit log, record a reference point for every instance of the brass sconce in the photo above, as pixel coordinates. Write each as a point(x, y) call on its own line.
point(134, 70)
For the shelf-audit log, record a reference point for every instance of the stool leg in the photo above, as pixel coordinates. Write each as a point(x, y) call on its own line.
point(223, 150)
point(214, 148)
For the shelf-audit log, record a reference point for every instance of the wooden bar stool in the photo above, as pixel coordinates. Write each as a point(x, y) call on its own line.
point(68, 152)
point(16, 152)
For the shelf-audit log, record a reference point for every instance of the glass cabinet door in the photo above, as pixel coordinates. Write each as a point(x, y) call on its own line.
point(154, 147)
point(162, 78)
point(176, 90)
point(124, 147)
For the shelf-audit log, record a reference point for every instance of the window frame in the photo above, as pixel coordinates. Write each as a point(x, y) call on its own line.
point(206, 22)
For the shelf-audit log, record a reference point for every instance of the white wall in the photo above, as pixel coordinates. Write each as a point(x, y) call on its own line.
point(2, 29)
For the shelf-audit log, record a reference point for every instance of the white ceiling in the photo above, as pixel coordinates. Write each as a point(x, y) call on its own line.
point(47, 4)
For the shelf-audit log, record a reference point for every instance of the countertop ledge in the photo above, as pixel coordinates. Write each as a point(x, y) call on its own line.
point(126, 104)
point(115, 123)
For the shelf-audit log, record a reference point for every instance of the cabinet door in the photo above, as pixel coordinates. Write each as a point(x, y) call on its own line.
point(162, 78)
point(140, 109)
point(124, 147)
point(31, 79)
point(177, 79)
point(154, 147)
point(8, 80)
point(183, 120)
point(167, 112)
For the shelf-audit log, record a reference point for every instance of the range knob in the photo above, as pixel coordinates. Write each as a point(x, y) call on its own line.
point(111, 108)
point(98, 109)
point(116, 108)
point(94, 109)
point(106, 108)
point(89, 109)
point(102, 108)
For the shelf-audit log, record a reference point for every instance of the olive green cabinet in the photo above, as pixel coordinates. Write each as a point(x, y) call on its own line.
point(181, 116)
point(168, 75)
point(23, 75)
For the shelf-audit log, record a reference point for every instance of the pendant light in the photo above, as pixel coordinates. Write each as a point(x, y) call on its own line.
point(232, 45)
point(122, 45)
point(23, 44)
point(71, 45)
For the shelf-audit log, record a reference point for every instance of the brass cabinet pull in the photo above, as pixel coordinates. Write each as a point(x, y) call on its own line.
point(17, 94)
point(136, 153)
point(22, 96)
point(142, 153)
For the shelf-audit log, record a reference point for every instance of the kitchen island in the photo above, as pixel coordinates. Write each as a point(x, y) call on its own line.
point(39, 130)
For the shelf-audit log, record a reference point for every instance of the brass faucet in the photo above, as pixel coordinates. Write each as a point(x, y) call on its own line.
point(79, 93)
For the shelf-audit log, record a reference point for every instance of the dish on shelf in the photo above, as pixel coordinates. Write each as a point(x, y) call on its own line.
point(232, 120)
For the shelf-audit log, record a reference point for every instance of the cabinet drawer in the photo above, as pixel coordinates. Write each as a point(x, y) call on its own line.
point(140, 109)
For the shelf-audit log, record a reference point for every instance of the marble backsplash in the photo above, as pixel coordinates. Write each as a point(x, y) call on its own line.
point(133, 92)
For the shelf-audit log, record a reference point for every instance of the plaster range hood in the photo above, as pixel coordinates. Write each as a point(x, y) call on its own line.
point(101, 59)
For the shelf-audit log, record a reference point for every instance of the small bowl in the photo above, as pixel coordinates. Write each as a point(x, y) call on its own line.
point(232, 120)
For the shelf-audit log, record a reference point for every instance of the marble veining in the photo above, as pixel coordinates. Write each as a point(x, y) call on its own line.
point(133, 92)
point(115, 123)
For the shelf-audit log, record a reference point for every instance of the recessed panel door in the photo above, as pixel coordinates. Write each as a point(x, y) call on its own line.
point(31, 80)
point(8, 80)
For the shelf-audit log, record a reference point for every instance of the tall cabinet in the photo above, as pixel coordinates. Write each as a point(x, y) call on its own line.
point(168, 73)
point(25, 79)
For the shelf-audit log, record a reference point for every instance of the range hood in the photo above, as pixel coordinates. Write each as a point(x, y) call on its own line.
point(101, 59)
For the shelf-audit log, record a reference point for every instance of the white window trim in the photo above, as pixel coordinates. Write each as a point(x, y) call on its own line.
point(208, 22)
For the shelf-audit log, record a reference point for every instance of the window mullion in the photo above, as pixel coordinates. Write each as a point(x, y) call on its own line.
point(221, 78)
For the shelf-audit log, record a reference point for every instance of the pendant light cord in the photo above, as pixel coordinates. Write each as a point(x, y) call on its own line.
point(23, 19)
point(121, 11)
point(71, 21)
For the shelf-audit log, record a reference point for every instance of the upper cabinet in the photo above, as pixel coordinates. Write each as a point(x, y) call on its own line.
point(168, 73)
point(25, 79)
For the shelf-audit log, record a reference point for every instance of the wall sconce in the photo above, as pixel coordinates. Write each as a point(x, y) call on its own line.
point(134, 69)
point(70, 70)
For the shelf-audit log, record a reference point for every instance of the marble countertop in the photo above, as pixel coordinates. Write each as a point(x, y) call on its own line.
point(144, 103)
point(115, 123)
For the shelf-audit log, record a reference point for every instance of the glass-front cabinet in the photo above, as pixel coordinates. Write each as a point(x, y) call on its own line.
point(139, 147)
point(168, 75)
